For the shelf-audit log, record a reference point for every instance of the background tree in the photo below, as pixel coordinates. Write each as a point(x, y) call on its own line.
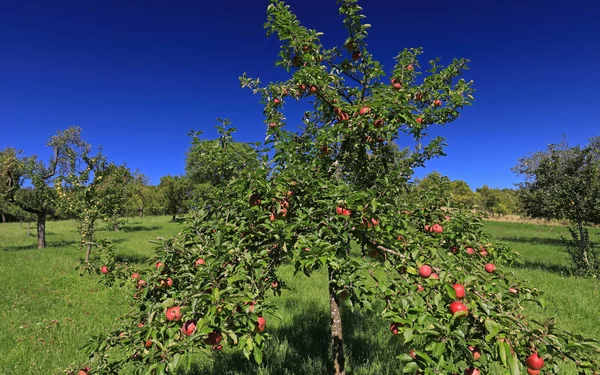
point(462, 193)
point(114, 191)
point(211, 164)
point(140, 194)
point(67, 147)
point(175, 192)
point(563, 182)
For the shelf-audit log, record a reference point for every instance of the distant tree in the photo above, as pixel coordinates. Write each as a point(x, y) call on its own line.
point(211, 164)
point(140, 193)
point(175, 191)
point(114, 190)
point(17, 172)
point(489, 199)
point(563, 182)
point(462, 193)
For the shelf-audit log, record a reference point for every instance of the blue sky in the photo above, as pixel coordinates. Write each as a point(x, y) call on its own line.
point(137, 76)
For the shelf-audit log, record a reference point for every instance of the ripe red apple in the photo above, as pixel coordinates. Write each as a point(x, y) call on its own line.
point(534, 362)
point(419, 120)
point(395, 328)
point(140, 325)
point(490, 267)
point(135, 276)
point(166, 283)
point(173, 313)
point(213, 338)
point(476, 352)
point(217, 347)
point(312, 89)
point(148, 343)
point(457, 306)
point(378, 123)
point(141, 283)
point(413, 354)
point(261, 324)
point(272, 217)
point(425, 271)
point(302, 87)
point(346, 212)
point(356, 55)
point(483, 253)
point(460, 291)
point(472, 371)
point(339, 210)
point(420, 288)
point(533, 372)
point(364, 110)
point(159, 264)
point(104, 270)
point(397, 86)
point(272, 125)
point(83, 371)
point(188, 327)
point(437, 103)
point(409, 67)
point(375, 222)
point(428, 228)
point(435, 276)
point(274, 284)
point(276, 101)
point(513, 290)
point(454, 249)
point(199, 262)
point(470, 251)
point(437, 228)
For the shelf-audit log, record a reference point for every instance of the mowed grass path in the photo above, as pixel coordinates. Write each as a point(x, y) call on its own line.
point(47, 310)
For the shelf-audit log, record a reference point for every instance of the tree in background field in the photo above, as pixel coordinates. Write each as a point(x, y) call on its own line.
point(174, 191)
point(17, 172)
point(563, 182)
point(211, 164)
point(140, 194)
point(114, 191)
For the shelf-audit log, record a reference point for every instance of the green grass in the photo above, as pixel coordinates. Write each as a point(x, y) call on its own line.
point(47, 310)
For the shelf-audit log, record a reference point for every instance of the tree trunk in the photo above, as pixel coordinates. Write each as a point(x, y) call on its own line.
point(141, 210)
point(173, 219)
point(20, 224)
point(3, 218)
point(337, 342)
point(87, 253)
point(28, 228)
point(583, 244)
point(41, 230)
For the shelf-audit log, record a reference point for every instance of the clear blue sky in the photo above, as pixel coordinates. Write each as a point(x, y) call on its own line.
point(138, 75)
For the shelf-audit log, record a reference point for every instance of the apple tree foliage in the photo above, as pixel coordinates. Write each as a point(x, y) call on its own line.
point(175, 194)
point(563, 182)
point(336, 196)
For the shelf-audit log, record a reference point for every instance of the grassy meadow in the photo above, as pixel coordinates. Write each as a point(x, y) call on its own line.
point(47, 309)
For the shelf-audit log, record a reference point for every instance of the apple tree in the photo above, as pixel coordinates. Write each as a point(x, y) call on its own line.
point(563, 182)
point(31, 172)
point(336, 195)
point(114, 191)
point(175, 193)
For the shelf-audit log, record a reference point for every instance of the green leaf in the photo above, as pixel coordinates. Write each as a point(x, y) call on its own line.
point(408, 335)
point(514, 365)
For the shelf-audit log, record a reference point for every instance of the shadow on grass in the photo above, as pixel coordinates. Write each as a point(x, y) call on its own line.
point(533, 240)
point(33, 246)
point(139, 228)
point(131, 258)
point(549, 267)
point(303, 347)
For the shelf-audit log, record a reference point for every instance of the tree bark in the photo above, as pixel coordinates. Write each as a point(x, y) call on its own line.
point(141, 210)
point(41, 230)
point(582, 244)
point(28, 229)
point(337, 342)
point(88, 250)
point(173, 219)
point(3, 218)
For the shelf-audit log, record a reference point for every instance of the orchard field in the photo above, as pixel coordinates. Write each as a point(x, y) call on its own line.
point(48, 310)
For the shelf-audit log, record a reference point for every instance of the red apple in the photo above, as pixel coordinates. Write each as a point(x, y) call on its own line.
point(483, 253)
point(276, 101)
point(312, 89)
point(339, 210)
point(476, 352)
point(189, 327)
point(84, 371)
point(213, 338)
point(272, 217)
point(397, 86)
point(413, 354)
point(435, 276)
point(159, 264)
point(470, 251)
point(460, 291)
point(428, 228)
point(217, 347)
point(346, 212)
point(457, 306)
point(166, 283)
point(140, 325)
point(104, 270)
point(437, 228)
point(141, 283)
point(533, 372)
point(135, 276)
point(173, 313)
point(419, 120)
point(261, 324)
point(454, 249)
point(534, 362)
point(513, 290)
point(274, 284)
point(472, 371)
point(490, 267)
point(425, 271)
point(409, 67)
point(378, 123)
point(420, 288)
point(375, 222)
point(356, 55)
point(394, 328)
point(305, 48)
point(364, 110)
point(437, 103)
point(148, 343)
point(199, 262)
point(272, 125)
